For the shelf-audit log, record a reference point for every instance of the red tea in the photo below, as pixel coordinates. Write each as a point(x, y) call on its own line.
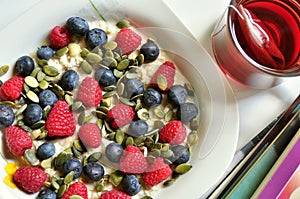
point(262, 37)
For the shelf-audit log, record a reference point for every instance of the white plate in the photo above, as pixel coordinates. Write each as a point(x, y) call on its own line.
point(219, 117)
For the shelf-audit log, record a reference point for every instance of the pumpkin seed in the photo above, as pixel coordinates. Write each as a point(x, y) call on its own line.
point(32, 96)
point(99, 123)
point(158, 124)
point(40, 76)
point(126, 101)
point(31, 157)
point(78, 145)
point(120, 137)
point(62, 189)
point(43, 134)
point(62, 51)
point(193, 138)
point(86, 67)
point(143, 114)
point(168, 182)
point(162, 82)
point(35, 72)
point(69, 99)
point(84, 52)
point(81, 118)
point(159, 113)
point(111, 45)
point(94, 157)
point(47, 163)
point(61, 158)
point(76, 153)
point(132, 75)
point(8, 103)
point(123, 24)
point(110, 62)
point(183, 168)
point(38, 124)
point(3, 70)
point(167, 154)
point(42, 62)
point(69, 177)
point(93, 58)
point(75, 197)
point(109, 94)
point(88, 118)
point(98, 51)
point(111, 136)
point(122, 65)
point(26, 88)
point(76, 106)
point(58, 90)
point(120, 88)
point(107, 127)
point(194, 124)
point(31, 82)
point(109, 88)
point(139, 140)
point(99, 185)
point(139, 105)
point(106, 102)
point(115, 178)
point(21, 109)
point(140, 59)
point(46, 111)
point(54, 183)
point(169, 116)
point(129, 141)
point(50, 70)
point(99, 114)
point(117, 73)
point(43, 84)
point(104, 109)
point(109, 53)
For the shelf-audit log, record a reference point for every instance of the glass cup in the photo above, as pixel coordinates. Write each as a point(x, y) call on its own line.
point(257, 42)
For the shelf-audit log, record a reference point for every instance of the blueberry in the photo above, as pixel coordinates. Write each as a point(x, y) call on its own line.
point(105, 77)
point(46, 150)
point(187, 112)
point(96, 37)
point(133, 87)
point(94, 171)
point(33, 113)
point(45, 52)
point(69, 80)
point(113, 152)
point(181, 154)
point(73, 165)
point(46, 194)
point(24, 65)
point(150, 51)
point(7, 116)
point(131, 185)
point(177, 94)
point(77, 25)
point(137, 128)
point(47, 97)
point(152, 97)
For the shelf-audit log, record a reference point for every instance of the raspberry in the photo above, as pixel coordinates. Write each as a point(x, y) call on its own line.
point(120, 115)
point(12, 88)
point(114, 194)
point(157, 172)
point(167, 70)
point(30, 179)
point(174, 133)
point(90, 92)
point(60, 121)
point(133, 161)
point(77, 188)
point(59, 37)
point(90, 135)
point(127, 40)
point(17, 140)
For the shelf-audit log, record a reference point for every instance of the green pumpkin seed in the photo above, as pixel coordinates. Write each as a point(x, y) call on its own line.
point(3, 70)
point(94, 157)
point(58, 90)
point(158, 124)
point(40, 76)
point(111, 136)
point(38, 124)
point(162, 82)
point(31, 82)
point(47, 163)
point(183, 168)
point(109, 94)
point(84, 52)
point(109, 53)
point(8, 103)
point(69, 177)
point(106, 102)
point(104, 109)
point(107, 127)
point(115, 178)
point(159, 113)
point(86, 67)
point(111, 45)
point(123, 24)
point(31, 157)
point(110, 62)
point(32, 96)
point(21, 109)
point(120, 137)
point(43, 134)
point(42, 62)
point(120, 88)
point(143, 114)
point(129, 141)
point(76, 153)
point(35, 72)
point(50, 70)
point(46, 111)
point(126, 101)
point(75, 197)
point(54, 183)
point(140, 59)
point(88, 118)
point(132, 75)
point(61, 159)
point(26, 88)
point(109, 88)
point(98, 51)
point(99, 114)
point(122, 65)
point(100, 185)
point(62, 189)
point(78, 145)
point(76, 106)
point(62, 51)
point(35, 133)
point(93, 58)
point(139, 140)
point(81, 118)
point(117, 73)
point(43, 84)
point(193, 138)
point(69, 99)
point(168, 182)
point(99, 123)
point(169, 116)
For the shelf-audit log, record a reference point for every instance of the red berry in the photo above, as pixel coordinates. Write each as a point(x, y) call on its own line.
point(59, 37)
point(30, 179)
point(90, 135)
point(17, 140)
point(114, 194)
point(127, 40)
point(133, 160)
point(166, 70)
point(12, 88)
point(89, 92)
point(77, 188)
point(60, 121)
point(120, 115)
point(174, 133)
point(157, 172)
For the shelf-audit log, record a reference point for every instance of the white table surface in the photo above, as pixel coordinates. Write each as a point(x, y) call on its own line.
point(256, 107)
